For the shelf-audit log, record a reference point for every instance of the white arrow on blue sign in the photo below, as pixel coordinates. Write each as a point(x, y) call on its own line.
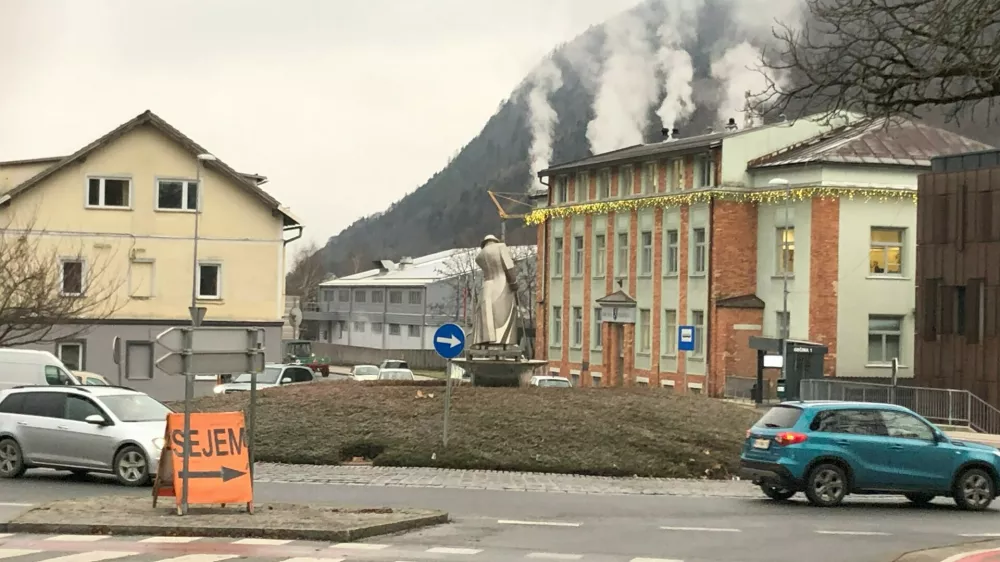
point(449, 340)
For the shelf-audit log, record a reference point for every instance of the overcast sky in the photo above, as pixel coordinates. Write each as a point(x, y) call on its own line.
point(346, 105)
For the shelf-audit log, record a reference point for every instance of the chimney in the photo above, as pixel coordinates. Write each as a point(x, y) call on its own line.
point(675, 133)
point(405, 261)
point(731, 125)
point(666, 133)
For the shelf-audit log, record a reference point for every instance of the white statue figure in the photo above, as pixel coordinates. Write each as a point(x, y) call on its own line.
point(496, 311)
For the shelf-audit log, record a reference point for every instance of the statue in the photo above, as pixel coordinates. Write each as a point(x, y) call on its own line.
point(497, 309)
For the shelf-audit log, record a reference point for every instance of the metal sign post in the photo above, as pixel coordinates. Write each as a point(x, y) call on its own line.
point(188, 396)
point(685, 342)
point(255, 347)
point(449, 342)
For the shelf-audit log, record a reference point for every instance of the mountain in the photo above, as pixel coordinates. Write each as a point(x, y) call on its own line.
point(452, 209)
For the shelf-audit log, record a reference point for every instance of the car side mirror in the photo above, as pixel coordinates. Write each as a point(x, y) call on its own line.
point(95, 419)
point(286, 380)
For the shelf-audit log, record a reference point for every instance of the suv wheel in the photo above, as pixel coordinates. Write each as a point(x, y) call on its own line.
point(974, 490)
point(131, 467)
point(11, 459)
point(826, 485)
point(920, 498)
point(776, 493)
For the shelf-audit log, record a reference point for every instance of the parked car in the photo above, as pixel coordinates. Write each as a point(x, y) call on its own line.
point(395, 375)
point(365, 373)
point(831, 449)
point(393, 364)
point(273, 375)
point(19, 367)
point(549, 381)
point(81, 429)
point(87, 378)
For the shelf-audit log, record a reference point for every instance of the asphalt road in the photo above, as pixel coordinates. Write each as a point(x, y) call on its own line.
point(515, 525)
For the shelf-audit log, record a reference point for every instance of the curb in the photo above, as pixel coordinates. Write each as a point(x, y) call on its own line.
point(323, 535)
point(949, 552)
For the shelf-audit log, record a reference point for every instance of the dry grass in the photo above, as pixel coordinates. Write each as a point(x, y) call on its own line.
point(611, 432)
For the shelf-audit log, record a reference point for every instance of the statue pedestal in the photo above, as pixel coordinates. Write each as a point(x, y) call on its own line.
point(499, 367)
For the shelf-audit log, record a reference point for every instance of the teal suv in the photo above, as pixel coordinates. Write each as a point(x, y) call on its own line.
point(831, 449)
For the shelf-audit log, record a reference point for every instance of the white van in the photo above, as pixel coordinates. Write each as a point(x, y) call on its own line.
point(28, 367)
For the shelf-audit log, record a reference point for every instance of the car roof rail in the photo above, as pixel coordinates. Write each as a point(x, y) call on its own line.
point(52, 386)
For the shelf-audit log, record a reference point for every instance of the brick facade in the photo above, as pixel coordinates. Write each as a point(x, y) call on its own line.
point(823, 275)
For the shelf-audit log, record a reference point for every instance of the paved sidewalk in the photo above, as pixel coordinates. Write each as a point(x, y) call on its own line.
point(981, 551)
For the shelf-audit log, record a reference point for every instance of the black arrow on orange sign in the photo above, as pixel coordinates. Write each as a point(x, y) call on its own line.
point(225, 473)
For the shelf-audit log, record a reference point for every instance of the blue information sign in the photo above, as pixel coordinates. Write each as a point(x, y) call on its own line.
point(449, 341)
point(685, 338)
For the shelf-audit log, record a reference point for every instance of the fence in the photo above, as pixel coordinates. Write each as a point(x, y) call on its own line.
point(741, 388)
point(940, 405)
point(348, 355)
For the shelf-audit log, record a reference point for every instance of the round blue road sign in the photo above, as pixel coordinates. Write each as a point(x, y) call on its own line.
point(449, 341)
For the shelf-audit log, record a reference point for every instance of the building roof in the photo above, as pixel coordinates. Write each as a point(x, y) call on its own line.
point(417, 272)
point(249, 182)
point(900, 142)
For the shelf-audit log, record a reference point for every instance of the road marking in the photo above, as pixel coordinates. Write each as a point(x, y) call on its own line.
point(447, 550)
point(170, 539)
point(77, 538)
point(554, 556)
point(856, 533)
point(540, 523)
point(14, 504)
point(15, 552)
point(655, 560)
point(360, 546)
point(198, 558)
point(702, 529)
point(305, 559)
point(263, 542)
point(969, 535)
point(94, 556)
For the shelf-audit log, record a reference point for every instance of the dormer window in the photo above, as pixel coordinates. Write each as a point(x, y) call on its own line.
point(110, 193)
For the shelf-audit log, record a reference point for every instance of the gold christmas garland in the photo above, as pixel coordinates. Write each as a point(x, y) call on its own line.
point(539, 216)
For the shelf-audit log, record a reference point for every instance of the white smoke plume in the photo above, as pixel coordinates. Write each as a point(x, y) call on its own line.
point(739, 71)
point(546, 79)
point(628, 86)
point(677, 30)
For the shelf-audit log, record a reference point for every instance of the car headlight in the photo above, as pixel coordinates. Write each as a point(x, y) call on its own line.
point(219, 389)
point(158, 442)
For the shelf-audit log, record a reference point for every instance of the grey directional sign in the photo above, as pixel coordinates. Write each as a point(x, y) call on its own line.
point(212, 351)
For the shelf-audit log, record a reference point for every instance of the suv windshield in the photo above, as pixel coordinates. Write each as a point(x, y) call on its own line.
point(366, 371)
point(135, 407)
point(780, 417)
point(268, 376)
point(554, 382)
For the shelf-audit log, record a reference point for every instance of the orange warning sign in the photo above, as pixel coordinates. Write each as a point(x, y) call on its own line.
point(219, 466)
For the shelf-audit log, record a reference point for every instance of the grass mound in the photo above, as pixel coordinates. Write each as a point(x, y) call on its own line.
point(606, 432)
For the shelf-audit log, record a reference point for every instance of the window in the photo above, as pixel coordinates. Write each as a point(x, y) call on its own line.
point(674, 178)
point(209, 281)
point(578, 255)
point(556, 325)
point(394, 330)
point(359, 326)
point(377, 328)
point(626, 181)
point(562, 190)
point(604, 184)
point(176, 195)
point(56, 376)
point(600, 255)
point(649, 177)
point(673, 252)
point(704, 171)
point(785, 251)
point(582, 186)
point(71, 355)
point(413, 331)
point(378, 297)
point(644, 335)
point(698, 255)
point(884, 336)
point(698, 321)
point(646, 256)
point(885, 255)
point(13, 404)
point(597, 328)
point(557, 256)
point(72, 277)
point(45, 404)
point(344, 295)
point(783, 321)
point(416, 297)
point(905, 426)
point(621, 263)
point(109, 192)
point(780, 417)
point(395, 297)
point(670, 332)
point(138, 360)
point(78, 408)
point(360, 296)
point(577, 326)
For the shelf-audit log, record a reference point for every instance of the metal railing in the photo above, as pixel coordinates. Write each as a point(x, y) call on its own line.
point(939, 405)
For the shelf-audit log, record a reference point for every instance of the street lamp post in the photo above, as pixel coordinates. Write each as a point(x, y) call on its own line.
point(785, 320)
point(202, 158)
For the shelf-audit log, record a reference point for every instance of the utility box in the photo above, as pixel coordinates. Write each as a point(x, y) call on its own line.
point(805, 361)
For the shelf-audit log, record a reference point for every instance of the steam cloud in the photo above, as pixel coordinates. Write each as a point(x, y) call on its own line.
point(677, 29)
point(739, 71)
point(546, 79)
point(627, 88)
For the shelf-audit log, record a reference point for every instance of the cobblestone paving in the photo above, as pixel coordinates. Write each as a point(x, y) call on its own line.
point(493, 480)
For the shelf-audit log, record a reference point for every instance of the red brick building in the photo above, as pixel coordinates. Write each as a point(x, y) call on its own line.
point(693, 231)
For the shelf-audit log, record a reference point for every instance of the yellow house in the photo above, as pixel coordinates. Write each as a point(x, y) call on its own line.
point(117, 222)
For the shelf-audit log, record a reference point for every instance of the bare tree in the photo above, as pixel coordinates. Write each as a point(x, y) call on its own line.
point(461, 278)
point(886, 58)
point(527, 282)
point(49, 291)
point(308, 271)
